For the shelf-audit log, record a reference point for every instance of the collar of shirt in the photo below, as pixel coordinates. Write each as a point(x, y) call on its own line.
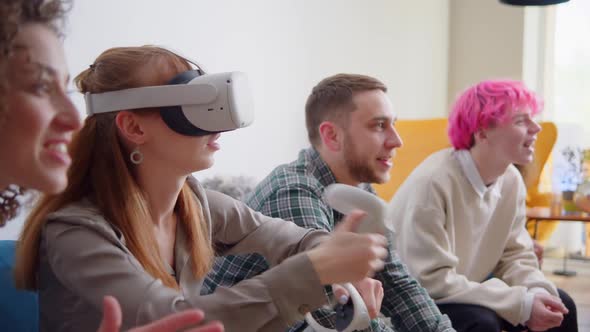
point(317, 166)
point(470, 170)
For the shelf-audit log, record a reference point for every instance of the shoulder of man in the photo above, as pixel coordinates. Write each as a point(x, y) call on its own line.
point(283, 177)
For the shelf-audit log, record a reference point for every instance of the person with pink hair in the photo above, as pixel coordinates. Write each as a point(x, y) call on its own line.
point(460, 218)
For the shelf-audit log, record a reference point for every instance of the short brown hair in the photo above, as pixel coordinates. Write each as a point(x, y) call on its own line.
point(331, 99)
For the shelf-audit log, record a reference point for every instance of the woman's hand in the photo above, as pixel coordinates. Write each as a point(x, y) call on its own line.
point(111, 320)
point(347, 256)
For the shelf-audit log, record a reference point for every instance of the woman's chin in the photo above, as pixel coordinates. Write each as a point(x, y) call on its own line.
point(50, 184)
point(202, 165)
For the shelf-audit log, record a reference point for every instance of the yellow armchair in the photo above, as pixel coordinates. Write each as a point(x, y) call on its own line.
point(532, 177)
point(421, 138)
point(424, 137)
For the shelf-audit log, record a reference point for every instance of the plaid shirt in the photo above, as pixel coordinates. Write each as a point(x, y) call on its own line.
point(294, 192)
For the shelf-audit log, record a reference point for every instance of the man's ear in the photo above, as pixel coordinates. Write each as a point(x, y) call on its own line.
point(331, 135)
point(130, 127)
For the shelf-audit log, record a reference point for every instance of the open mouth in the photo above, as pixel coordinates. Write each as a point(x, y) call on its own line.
point(60, 147)
point(57, 150)
point(385, 161)
point(529, 144)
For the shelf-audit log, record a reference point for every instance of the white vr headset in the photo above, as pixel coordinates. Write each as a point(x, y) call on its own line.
point(192, 104)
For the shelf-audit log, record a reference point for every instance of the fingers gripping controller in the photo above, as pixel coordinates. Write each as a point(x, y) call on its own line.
point(344, 199)
point(350, 317)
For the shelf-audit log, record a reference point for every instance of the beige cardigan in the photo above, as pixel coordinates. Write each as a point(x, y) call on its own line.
point(464, 246)
point(83, 258)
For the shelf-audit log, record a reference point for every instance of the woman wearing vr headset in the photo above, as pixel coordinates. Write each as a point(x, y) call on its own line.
point(37, 120)
point(133, 223)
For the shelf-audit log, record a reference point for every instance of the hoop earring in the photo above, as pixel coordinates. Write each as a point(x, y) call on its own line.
point(136, 156)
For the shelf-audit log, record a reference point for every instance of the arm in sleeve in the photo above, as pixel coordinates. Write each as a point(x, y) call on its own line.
point(304, 207)
point(93, 263)
point(243, 230)
point(519, 265)
point(430, 258)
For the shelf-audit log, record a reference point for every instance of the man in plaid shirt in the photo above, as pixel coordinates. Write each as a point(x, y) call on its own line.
point(350, 125)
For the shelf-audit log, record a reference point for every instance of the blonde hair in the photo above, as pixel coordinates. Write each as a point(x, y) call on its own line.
point(101, 172)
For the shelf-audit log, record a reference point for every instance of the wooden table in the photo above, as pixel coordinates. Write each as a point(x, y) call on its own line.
point(544, 214)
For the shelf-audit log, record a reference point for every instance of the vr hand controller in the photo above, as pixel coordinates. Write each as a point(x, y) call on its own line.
point(350, 317)
point(344, 199)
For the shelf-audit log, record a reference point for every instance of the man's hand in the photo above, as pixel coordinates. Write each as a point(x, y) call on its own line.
point(370, 290)
point(111, 320)
point(547, 312)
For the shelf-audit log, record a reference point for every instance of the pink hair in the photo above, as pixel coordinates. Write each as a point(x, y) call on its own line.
point(486, 104)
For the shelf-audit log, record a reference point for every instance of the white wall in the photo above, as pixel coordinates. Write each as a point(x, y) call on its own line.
point(486, 41)
point(285, 47)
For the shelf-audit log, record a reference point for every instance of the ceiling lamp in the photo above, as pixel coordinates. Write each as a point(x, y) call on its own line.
point(532, 2)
